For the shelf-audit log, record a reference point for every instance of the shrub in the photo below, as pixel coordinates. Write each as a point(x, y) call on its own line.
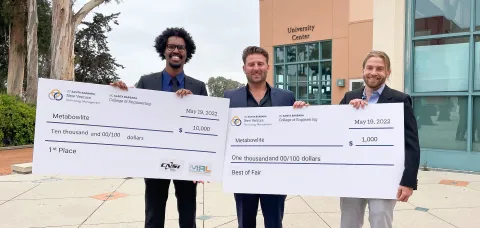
point(17, 121)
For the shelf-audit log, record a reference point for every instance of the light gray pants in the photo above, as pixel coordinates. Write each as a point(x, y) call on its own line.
point(353, 212)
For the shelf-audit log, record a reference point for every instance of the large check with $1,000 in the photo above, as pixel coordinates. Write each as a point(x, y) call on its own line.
point(332, 150)
point(99, 130)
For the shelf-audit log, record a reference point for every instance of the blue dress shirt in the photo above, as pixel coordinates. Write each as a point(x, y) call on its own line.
point(167, 81)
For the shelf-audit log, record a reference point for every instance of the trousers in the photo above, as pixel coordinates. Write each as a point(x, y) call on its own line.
point(272, 209)
point(353, 212)
point(156, 195)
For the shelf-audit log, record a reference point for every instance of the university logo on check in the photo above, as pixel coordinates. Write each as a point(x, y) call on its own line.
point(236, 121)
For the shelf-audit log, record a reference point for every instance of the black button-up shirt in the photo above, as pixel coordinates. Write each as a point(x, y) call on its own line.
point(265, 102)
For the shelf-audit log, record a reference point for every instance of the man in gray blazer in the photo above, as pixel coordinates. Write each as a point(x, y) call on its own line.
point(177, 47)
point(258, 93)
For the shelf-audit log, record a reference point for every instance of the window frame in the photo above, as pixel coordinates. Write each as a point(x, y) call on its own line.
point(351, 81)
point(410, 38)
point(321, 98)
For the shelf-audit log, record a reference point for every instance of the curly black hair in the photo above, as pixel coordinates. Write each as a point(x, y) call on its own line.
point(161, 41)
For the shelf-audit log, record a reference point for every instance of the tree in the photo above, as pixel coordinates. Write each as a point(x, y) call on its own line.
point(93, 63)
point(32, 54)
point(43, 34)
point(4, 43)
point(17, 48)
point(64, 24)
point(218, 85)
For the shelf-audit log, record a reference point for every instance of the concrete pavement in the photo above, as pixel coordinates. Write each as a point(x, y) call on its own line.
point(444, 200)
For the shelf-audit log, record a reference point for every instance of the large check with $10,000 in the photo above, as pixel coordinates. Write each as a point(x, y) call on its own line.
point(332, 150)
point(98, 130)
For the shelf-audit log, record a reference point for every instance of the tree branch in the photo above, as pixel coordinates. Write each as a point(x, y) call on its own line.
point(82, 13)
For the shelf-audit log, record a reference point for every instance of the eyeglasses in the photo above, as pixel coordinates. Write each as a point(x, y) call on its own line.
point(172, 47)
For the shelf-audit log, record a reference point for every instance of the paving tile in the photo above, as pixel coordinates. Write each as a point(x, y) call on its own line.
point(10, 190)
point(211, 187)
point(444, 196)
point(23, 177)
point(333, 219)
point(131, 208)
point(220, 204)
point(110, 196)
point(71, 189)
point(296, 206)
point(455, 183)
point(47, 212)
point(74, 177)
point(216, 221)
point(433, 177)
point(310, 220)
point(474, 185)
point(460, 217)
point(118, 225)
point(306, 220)
point(418, 219)
point(323, 204)
point(124, 210)
point(133, 187)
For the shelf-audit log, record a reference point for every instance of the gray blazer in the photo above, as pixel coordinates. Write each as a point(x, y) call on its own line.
point(155, 82)
point(280, 97)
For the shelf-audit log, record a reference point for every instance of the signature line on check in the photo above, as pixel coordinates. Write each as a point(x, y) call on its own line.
point(121, 145)
point(262, 145)
point(303, 163)
point(96, 125)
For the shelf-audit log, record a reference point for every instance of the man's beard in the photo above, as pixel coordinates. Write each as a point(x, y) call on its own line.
point(175, 65)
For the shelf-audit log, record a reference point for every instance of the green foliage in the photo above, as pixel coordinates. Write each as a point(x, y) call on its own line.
point(93, 62)
point(218, 85)
point(17, 121)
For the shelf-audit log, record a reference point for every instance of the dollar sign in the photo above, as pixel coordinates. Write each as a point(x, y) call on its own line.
point(180, 130)
point(350, 143)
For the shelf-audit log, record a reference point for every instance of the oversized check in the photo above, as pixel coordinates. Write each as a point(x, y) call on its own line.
point(99, 130)
point(332, 150)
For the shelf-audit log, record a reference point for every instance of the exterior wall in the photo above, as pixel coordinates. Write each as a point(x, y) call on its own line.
point(348, 23)
point(389, 36)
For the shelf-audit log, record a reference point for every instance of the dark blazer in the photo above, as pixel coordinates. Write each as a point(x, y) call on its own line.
point(412, 145)
point(280, 97)
point(155, 82)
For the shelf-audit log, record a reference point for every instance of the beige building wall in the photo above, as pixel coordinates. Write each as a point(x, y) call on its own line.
point(389, 36)
point(354, 26)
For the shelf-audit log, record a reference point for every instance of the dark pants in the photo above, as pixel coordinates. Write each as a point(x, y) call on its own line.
point(156, 195)
point(272, 209)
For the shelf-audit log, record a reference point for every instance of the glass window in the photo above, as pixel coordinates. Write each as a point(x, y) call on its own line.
point(312, 52)
point(476, 79)
point(476, 124)
point(441, 65)
point(302, 91)
point(477, 14)
point(327, 50)
point(313, 72)
point(301, 53)
point(442, 122)
point(326, 71)
point(279, 74)
point(433, 17)
point(291, 54)
point(291, 73)
point(313, 91)
point(279, 55)
point(292, 86)
point(304, 71)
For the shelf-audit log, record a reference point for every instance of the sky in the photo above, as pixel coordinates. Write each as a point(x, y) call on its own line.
point(221, 31)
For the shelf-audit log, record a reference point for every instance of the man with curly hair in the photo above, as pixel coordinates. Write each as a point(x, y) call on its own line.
point(176, 46)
